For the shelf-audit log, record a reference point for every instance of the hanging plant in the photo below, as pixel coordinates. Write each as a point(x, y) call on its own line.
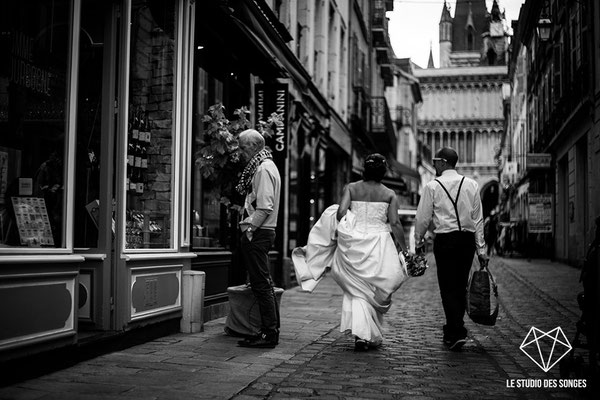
point(218, 156)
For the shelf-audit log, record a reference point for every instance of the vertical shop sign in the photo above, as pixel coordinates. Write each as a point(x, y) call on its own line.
point(273, 98)
point(269, 99)
point(377, 114)
point(540, 213)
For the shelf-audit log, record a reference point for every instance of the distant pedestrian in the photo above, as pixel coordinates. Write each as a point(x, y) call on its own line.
point(361, 252)
point(491, 232)
point(452, 202)
point(260, 183)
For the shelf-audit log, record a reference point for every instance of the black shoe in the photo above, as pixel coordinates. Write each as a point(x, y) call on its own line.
point(360, 344)
point(457, 344)
point(261, 342)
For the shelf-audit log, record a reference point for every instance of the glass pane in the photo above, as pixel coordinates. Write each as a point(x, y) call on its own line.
point(150, 147)
point(34, 42)
point(89, 123)
point(210, 218)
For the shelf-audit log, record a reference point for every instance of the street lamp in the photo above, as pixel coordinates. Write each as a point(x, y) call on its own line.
point(544, 27)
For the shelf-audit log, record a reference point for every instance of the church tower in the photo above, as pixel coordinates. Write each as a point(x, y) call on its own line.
point(495, 39)
point(473, 36)
point(445, 32)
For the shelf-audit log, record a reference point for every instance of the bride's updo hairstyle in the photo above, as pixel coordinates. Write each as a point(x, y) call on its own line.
point(375, 167)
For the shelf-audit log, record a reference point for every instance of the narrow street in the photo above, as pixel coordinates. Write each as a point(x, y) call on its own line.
point(315, 360)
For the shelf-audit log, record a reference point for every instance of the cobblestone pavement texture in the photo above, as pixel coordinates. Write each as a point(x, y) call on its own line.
point(315, 360)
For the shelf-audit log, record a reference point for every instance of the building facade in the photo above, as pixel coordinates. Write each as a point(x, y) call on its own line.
point(550, 154)
point(463, 99)
point(403, 98)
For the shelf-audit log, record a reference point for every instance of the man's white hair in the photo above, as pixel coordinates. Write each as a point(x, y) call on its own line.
point(253, 137)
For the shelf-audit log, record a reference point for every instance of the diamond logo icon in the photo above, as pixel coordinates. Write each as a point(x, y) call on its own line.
point(545, 348)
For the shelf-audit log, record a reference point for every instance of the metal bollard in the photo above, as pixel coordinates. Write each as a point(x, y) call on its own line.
point(192, 299)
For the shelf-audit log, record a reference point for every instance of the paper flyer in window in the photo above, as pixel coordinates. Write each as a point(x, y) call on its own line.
point(33, 222)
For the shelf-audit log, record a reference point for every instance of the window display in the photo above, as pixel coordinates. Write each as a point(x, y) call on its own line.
point(34, 41)
point(150, 139)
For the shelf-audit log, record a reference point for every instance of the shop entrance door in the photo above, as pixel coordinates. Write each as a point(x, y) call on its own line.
point(97, 121)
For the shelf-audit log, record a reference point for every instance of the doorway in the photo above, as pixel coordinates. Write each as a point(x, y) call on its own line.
point(94, 230)
point(489, 197)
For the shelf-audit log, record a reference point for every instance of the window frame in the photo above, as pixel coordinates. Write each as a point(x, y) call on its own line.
point(177, 149)
point(70, 120)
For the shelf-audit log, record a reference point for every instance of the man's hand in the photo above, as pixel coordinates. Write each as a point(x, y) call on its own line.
point(483, 260)
point(250, 232)
point(420, 249)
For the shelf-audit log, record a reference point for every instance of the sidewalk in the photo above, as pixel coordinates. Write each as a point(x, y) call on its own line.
point(315, 360)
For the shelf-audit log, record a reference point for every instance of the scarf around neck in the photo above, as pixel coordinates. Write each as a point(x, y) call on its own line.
point(243, 186)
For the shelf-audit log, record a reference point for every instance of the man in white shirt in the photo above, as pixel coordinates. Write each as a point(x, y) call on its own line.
point(452, 205)
point(260, 184)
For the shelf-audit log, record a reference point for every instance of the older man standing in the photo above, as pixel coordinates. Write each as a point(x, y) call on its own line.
point(260, 183)
point(453, 204)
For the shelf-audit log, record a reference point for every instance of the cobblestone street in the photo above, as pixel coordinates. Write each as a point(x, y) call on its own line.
point(413, 362)
point(315, 360)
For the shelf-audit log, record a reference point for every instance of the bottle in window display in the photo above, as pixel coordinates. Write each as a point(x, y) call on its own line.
point(133, 137)
point(144, 154)
point(145, 132)
point(135, 130)
point(138, 155)
point(139, 181)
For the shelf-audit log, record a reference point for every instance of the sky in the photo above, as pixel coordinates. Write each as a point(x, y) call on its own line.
point(413, 26)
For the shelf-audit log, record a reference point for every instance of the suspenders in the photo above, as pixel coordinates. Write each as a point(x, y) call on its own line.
point(454, 202)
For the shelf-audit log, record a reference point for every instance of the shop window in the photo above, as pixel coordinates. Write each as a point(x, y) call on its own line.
point(89, 124)
point(34, 79)
point(150, 145)
point(210, 227)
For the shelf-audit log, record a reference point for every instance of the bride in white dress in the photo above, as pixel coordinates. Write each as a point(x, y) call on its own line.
point(362, 254)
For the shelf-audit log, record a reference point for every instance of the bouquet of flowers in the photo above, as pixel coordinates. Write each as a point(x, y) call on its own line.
point(416, 264)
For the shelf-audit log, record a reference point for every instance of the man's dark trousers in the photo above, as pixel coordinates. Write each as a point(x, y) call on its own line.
point(255, 256)
point(454, 254)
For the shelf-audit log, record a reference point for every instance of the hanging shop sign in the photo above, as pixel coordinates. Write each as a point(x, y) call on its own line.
point(273, 98)
point(510, 172)
point(538, 161)
point(377, 114)
point(540, 213)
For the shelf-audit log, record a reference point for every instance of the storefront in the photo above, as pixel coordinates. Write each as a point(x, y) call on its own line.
point(94, 156)
point(242, 61)
point(103, 205)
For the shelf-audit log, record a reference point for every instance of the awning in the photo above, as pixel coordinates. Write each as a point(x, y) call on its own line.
point(404, 170)
point(261, 46)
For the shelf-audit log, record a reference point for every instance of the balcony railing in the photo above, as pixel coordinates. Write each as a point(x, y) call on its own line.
point(361, 110)
point(382, 126)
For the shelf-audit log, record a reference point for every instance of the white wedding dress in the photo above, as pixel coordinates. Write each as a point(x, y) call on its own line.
point(363, 260)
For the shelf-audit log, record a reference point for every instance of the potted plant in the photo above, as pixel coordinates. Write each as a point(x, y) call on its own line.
point(218, 157)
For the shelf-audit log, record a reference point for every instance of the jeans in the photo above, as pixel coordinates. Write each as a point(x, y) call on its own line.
point(454, 254)
point(255, 257)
